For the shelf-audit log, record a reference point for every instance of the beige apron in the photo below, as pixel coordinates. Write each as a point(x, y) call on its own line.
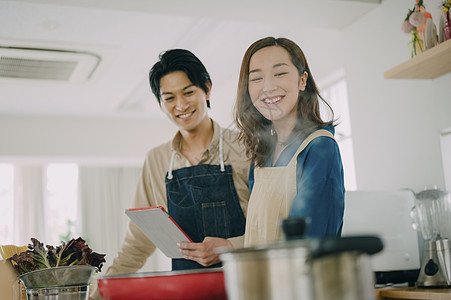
point(271, 198)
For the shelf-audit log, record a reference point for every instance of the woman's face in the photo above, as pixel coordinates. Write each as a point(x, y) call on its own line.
point(274, 84)
point(183, 102)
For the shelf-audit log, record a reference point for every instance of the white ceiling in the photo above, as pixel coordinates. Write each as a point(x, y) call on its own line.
point(128, 35)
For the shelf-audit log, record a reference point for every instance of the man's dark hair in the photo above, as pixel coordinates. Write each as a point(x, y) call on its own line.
point(179, 60)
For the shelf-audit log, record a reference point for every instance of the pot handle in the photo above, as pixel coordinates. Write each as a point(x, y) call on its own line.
point(294, 228)
point(334, 245)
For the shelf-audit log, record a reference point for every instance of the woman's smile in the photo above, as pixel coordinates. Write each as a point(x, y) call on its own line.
point(272, 100)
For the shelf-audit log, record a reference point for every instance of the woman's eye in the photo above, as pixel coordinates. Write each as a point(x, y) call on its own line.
point(280, 74)
point(255, 79)
point(188, 93)
point(168, 99)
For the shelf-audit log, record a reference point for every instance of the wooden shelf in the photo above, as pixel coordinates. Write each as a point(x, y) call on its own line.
point(413, 293)
point(430, 64)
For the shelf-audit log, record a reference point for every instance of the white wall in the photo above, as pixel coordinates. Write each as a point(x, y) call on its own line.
point(86, 140)
point(396, 123)
point(445, 141)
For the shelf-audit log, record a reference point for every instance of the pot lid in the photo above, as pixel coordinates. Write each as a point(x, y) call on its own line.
point(283, 248)
point(311, 248)
point(333, 245)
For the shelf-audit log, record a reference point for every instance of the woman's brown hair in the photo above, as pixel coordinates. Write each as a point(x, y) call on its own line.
point(254, 127)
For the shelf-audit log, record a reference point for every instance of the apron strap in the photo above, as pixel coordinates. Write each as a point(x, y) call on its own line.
point(221, 156)
point(171, 164)
point(308, 139)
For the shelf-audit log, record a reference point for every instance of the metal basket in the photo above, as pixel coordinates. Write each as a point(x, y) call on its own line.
point(60, 283)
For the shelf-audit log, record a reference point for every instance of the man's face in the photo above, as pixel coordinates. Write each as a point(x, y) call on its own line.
point(184, 103)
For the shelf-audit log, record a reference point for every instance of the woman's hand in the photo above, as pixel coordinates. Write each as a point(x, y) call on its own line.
point(204, 253)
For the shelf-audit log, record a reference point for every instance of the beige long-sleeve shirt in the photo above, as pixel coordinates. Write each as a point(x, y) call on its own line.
point(151, 191)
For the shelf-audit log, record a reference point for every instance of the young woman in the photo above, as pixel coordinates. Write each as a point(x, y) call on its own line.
point(296, 166)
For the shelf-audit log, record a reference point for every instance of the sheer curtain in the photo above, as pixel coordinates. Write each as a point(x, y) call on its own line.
point(336, 95)
point(29, 207)
point(105, 193)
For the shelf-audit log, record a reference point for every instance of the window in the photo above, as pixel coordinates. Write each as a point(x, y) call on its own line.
point(32, 205)
point(6, 201)
point(45, 202)
point(61, 202)
point(336, 95)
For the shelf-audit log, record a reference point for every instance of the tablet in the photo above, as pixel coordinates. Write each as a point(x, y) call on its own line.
point(160, 228)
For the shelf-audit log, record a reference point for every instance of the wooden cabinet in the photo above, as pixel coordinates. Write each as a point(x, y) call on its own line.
point(430, 64)
point(412, 293)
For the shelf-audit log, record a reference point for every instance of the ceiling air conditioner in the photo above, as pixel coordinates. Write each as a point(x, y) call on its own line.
point(47, 64)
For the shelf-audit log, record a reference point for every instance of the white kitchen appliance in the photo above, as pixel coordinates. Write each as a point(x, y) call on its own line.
point(432, 217)
point(387, 215)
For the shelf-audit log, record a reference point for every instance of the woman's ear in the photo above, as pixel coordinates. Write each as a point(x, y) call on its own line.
point(303, 81)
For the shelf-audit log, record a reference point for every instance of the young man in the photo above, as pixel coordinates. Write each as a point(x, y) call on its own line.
point(200, 176)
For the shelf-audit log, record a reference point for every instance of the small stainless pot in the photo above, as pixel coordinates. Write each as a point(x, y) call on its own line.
point(276, 271)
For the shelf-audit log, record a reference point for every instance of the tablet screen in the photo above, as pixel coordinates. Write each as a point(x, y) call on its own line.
point(160, 228)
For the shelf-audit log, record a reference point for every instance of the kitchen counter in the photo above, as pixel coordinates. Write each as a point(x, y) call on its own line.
point(412, 293)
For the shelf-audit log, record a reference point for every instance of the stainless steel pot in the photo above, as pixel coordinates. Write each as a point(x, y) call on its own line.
point(276, 271)
point(341, 267)
point(329, 268)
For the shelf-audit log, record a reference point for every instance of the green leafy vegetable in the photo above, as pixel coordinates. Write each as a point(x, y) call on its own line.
point(38, 257)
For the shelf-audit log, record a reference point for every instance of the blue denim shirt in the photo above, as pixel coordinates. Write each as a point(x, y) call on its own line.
point(320, 184)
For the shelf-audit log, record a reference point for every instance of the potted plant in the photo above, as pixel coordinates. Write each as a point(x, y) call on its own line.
point(66, 270)
point(415, 24)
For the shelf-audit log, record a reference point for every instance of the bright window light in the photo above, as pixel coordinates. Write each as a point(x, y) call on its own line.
point(7, 203)
point(62, 194)
point(336, 95)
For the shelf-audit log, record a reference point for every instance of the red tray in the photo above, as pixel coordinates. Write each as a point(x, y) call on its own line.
point(187, 285)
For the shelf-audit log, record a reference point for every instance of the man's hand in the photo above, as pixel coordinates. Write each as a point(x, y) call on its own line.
point(204, 253)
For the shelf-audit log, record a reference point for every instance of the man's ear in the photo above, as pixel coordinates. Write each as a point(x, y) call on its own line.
point(303, 81)
point(207, 95)
point(208, 84)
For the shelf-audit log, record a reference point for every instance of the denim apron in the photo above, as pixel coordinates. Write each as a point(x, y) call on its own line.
point(202, 199)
